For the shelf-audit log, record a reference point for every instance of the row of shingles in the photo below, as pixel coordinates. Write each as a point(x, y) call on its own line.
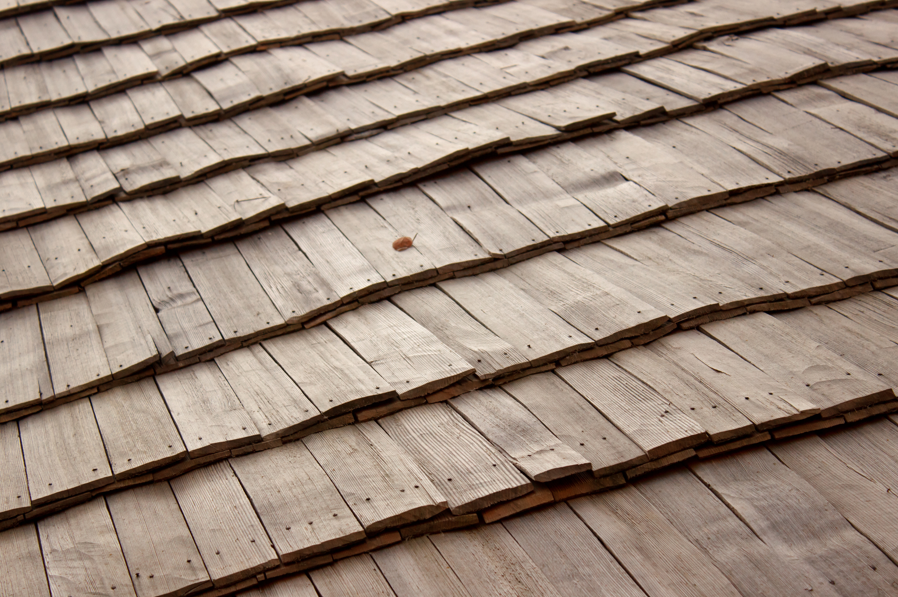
point(541, 290)
point(287, 487)
point(384, 169)
point(786, 519)
point(128, 162)
point(447, 249)
point(171, 290)
point(65, 30)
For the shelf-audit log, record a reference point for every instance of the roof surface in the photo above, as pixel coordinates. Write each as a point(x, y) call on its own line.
point(450, 298)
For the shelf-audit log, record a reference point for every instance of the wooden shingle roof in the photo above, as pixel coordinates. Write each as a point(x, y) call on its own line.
point(370, 297)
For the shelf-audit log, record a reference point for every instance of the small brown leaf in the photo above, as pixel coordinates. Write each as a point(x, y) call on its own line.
point(403, 242)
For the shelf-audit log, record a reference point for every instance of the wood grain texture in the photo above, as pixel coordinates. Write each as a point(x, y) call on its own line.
point(291, 586)
point(131, 333)
point(462, 465)
point(137, 429)
point(790, 516)
point(82, 552)
point(750, 564)
point(658, 557)
point(763, 400)
point(488, 561)
point(22, 568)
point(227, 531)
point(596, 307)
point(65, 251)
point(656, 425)
point(576, 422)
point(379, 480)
point(400, 349)
point(22, 269)
point(799, 362)
point(707, 408)
point(871, 447)
point(415, 568)
point(296, 501)
point(182, 313)
point(536, 332)
point(567, 552)
point(74, 348)
point(520, 435)
point(236, 301)
point(23, 364)
point(160, 551)
point(295, 286)
point(352, 576)
point(333, 377)
point(274, 402)
point(64, 452)
point(208, 414)
point(14, 496)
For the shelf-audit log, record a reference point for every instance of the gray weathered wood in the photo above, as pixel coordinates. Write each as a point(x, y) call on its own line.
point(799, 362)
point(96, 179)
point(22, 568)
point(224, 525)
point(569, 555)
point(341, 264)
point(537, 333)
point(762, 399)
point(487, 353)
point(720, 419)
point(295, 286)
point(137, 429)
point(497, 226)
point(352, 576)
point(22, 271)
point(74, 348)
point(182, 313)
point(131, 333)
point(595, 306)
point(160, 551)
point(82, 552)
point(206, 410)
point(401, 350)
point(334, 378)
point(415, 567)
point(299, 506)
point(64, 452)
point(273, 401)
point(290, 586)
point(236, 301)
point(139, 167)
point(796, 521)
point(58, 185)
point(24, 374)
point(656, 425)
point(658, 557)
point(459, 461)
point(14, 496)
point(489, 562)
point(521, 436)
point(747, 561)
point(377, 478)
point(577, 423)
point(65, 251)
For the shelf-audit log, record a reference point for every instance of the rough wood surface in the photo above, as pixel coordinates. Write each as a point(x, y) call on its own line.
point(462, 465)
point(22, 268)
point(333, 377)
point(65, 251)
point(296, 501)
point(82, 552)
point(160, 551)
point(137, 429)
point(22, 568)
point(569, 555)
point(14, 496)
point(64, 452)
point(400, 349)
point(416, 568)
point(206, 410)
point(24, 374)
point(656, 425)
point(658, 557)
point(352, 576)
point(378, 479)
point(227, 531)
point(521, 436)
